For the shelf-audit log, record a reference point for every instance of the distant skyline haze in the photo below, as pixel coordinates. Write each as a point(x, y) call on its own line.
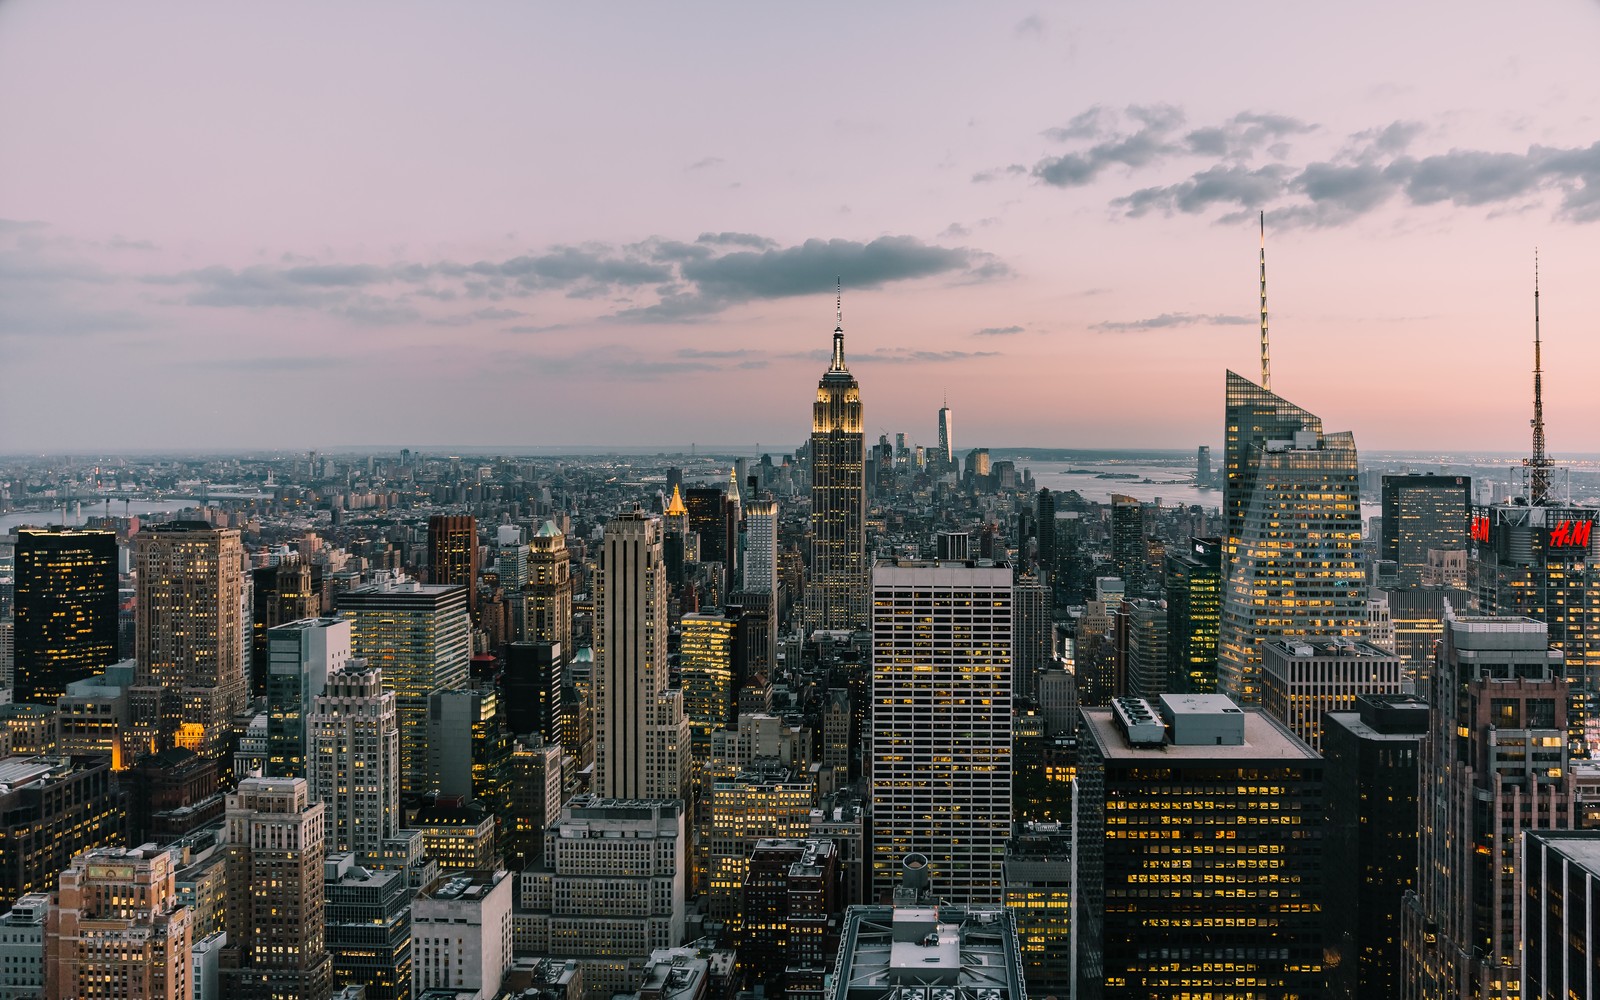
point(302, 226)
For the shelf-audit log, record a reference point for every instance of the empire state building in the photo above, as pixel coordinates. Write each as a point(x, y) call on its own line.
point(836, 597)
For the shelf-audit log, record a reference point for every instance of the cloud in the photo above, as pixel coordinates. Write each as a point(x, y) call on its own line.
point(702, 164)
point(1032, 26)
point(1167, 321)
point(655, 280)
point(1367, 170)
point(997, 331)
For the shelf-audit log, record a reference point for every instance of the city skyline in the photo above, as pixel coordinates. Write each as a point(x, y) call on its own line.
point(1030, 208)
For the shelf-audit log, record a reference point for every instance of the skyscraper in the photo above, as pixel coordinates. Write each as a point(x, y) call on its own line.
point(1494, 763)
point(1045, 512)
point(419, 636)
point(1423, 514)
point(190, 634)
point(300, 656)
point(550, 590)
point(453, 553)
point(533, 689)
point(708, 518)
point(1194, 616)
point(641, 734)
point(65, 611)
point(1294, 532)
point(1127, 541)
point(941, 698)
point(760, 589)
point(274, 917)
point(836, 596)
point(1172, 805)
point(279, 594)
point(706, 666)
point(1373, 755)
point(353, 759)
point(946, 457)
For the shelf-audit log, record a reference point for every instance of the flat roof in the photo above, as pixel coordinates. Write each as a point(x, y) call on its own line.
point(1264, 739)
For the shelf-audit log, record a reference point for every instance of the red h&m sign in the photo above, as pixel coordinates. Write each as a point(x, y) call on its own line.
point(1480, 527)
point(1570, 534)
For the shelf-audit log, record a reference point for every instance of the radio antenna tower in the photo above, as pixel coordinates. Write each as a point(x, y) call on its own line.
point(1538, 465)
point(1266, 358)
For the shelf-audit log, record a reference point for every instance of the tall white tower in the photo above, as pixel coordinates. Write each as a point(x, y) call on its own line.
point(941, 722)
point(353, 759)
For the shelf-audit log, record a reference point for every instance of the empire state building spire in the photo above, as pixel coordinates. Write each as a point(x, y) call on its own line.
point(838, 364)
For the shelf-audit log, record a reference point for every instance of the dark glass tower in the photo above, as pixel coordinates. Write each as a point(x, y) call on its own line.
point(1194, 616)
point(708, 517)
point(1423, 514)
point(284, 593)
point(453, 553)
point(1045, 511)
point(66, 609)
point(836, 597)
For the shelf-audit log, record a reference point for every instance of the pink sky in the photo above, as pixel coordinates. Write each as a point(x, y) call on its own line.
point(304, 225)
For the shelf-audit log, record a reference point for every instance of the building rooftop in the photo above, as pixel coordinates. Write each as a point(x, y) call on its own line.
point(1264, 739)
point(468, 885)
point(928, 952)
point(1581, 847)
point(1332, 646)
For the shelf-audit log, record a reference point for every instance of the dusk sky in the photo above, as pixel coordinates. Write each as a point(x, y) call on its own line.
point(298, 225)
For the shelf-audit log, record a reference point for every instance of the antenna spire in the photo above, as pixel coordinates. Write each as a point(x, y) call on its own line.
point(1539, 464)
point(838, 330)
point(1266, 357)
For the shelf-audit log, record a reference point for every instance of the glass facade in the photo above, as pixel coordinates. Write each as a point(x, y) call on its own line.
point(65, 610)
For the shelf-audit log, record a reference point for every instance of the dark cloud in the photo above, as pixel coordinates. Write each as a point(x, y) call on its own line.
point(1233, 185)
point(9, 226)
point(702, 164)
point(1167, 321)
point(985, 176)
point(1370, 169)
point(1032, 26)
point(654, 280)
point(907, 357)
point(997, 331)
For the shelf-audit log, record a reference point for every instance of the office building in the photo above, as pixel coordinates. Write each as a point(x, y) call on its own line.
point(550, 588)
point(1142, 632)
point(1539, 562)
point(1423, 514)
point(458, 834)
point(535, 801)
point(64, 610)
point(189, 635)
point(1039, 883)
point(918, 944)
point(761, 547)
point(51, 809)
point(117, 930)
point(353, 759)
point(1186, 795)
point(276, 947)
point(419, 636)
point(1494, 764)
point(789, 909)
point(368, 923)
point(282, 593)
point(708, 519)
point(461, 934)
point(469, 749)
point(22, 951)
point(1127, 541)
point(1194, 616)
point(1293, 564)
point(300, 656)
point(1045, 514)
point(1032, 630)
point(836, 592)
point(533, 689)
point(1302, 680)
point(941, 711)
point(93, 718)
point(1374, 755)
point(641, 734)
point(1561, 869)
point(170, 795)
point(706, 668)
point(766, 799)
point(1202, 467)
point(580, 904)
point(453, 554)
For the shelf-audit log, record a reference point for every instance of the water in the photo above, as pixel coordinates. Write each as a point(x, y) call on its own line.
point(138, 508)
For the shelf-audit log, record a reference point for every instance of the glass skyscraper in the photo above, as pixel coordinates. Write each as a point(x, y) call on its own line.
point(1293, 506)
point(66, 610)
